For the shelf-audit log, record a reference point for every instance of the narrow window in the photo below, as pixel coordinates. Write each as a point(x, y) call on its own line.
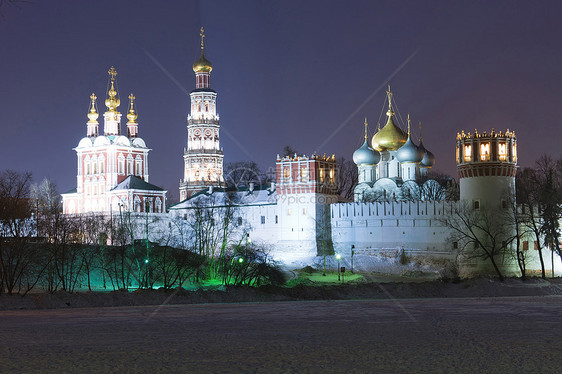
point(485, 152)
point(263, 220)
point(467, 153)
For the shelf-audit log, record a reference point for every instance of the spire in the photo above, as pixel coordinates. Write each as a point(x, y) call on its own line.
point(132, 125)
point(389, 113)
point(93, 117)
point(112, 101)
point(420, 132)
point(202, 35)
point(366, 135)
point(408, 120)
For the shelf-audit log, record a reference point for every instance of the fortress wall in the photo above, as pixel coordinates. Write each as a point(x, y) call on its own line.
point(415, 226)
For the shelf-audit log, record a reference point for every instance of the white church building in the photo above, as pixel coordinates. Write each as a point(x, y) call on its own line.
point(300, 216)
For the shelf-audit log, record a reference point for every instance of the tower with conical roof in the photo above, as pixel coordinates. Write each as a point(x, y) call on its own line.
point(203, 157)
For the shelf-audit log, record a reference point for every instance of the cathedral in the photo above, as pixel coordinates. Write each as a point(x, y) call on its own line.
point(300, 216)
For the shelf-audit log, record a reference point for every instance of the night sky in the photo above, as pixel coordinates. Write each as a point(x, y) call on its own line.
point(303, 73)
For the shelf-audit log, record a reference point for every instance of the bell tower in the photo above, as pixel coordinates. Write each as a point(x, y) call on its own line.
point(203, 157)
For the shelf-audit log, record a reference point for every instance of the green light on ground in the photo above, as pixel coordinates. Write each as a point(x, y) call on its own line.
point(240, 260)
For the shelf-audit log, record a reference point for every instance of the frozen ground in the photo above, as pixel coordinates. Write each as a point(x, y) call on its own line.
point(470, 335)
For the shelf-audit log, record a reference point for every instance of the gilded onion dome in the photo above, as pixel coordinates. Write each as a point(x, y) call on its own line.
point(132, 115)
point(202, 65)
point(366, 155)
point(390, 137)
point(112, 101)
point(409, 152)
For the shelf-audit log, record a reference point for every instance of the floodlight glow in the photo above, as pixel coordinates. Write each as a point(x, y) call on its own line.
point(240, 260)
point(146, 261)
point(338, 256)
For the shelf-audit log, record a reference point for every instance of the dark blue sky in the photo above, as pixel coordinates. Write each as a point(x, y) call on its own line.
point(286, 72)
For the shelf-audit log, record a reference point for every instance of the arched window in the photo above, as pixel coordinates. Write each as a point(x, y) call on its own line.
point(467, 153)
point(101, 161)
point(485, 152)
point(138, 162)
point(121, 166)
point(87, 165)
point(137, 204)
point(129, 165)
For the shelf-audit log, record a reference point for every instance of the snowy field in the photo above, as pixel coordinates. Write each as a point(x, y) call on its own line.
point(471, 335)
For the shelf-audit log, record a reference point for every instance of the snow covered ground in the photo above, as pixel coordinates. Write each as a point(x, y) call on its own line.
point(470, 335)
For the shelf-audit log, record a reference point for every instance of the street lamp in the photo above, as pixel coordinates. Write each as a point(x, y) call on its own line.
point(338, 256)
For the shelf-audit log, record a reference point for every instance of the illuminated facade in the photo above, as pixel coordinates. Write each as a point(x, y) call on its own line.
point(203, 157)
point(113, 168)
point(487, 163)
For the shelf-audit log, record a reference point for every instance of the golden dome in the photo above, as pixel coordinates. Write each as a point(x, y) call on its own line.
point(132, 115)
point(93, 115)
point(390, 137)
point(112, 101)
point(202, 65)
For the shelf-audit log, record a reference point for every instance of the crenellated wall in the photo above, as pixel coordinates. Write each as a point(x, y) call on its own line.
point(415, 226)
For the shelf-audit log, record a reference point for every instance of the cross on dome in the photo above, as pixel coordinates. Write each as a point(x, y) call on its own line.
point(202, 35)
point(112, 73)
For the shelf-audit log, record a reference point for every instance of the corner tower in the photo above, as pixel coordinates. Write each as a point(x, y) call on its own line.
point(486, 164)
point(203, 157)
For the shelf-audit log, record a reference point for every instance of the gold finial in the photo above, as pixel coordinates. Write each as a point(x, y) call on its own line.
point(132, 116)
point(420, 131)
point(202, 35)
point(408, 120)
point(366, 124)
point(379, 126)
point(93, 115)
point(389, 95)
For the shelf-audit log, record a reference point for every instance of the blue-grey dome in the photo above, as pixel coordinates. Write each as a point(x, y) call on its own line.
point(409, 152)
point(428, 157)
point(366, 155)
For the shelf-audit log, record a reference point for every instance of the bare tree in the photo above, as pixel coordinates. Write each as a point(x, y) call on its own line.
point(481, 233)
point(21, 264)
point(527, 187)
point(242, 173)
point(347, 175)
point(551, 210)
point(288, 151)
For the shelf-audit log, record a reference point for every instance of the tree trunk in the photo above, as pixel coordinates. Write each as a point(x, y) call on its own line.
point(497, 269)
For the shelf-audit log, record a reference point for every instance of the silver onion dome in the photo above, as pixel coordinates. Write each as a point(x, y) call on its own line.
point(366, 155)
point(428, 157)
point(409, 152)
